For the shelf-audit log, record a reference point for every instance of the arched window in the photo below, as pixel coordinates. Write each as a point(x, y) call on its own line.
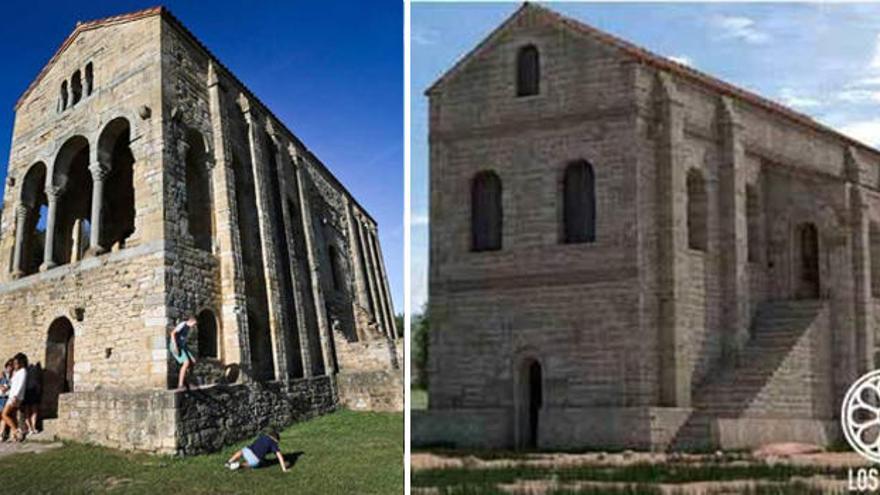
point(486, 212)
point(33, 236)
point(696, 210)
point(198, 192)
point(90, 78)
point(207, 334)
point(117, 210)
point(579, 203)
point(75, 88)
point(528, 71)
point(64, 95)
point(72, 176)
point(753, 227)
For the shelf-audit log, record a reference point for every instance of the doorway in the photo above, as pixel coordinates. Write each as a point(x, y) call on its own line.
point(531, 400)
point(58, 375)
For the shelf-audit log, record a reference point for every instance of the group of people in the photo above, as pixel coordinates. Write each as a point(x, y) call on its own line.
point(20, 394)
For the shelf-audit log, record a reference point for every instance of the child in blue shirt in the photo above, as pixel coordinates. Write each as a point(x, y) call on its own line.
point(178, 349)
point(254, 453)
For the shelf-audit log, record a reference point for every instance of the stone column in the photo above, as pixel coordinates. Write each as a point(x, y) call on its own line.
point(314, 269)
point(76, 240)
point(52, 195)
point(860, 225)
point(264, 217)
point(381, 310)
point(383, 281)
point(21, 216)
point(371, 283)
point(675, 379)
point(734, 232)
point(360, 285)
point(234, 348)
point(99, 175)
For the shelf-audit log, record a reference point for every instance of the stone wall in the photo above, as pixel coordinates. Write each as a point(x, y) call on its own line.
point(380, 390)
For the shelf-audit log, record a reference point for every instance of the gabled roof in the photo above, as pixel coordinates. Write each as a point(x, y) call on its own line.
point(649, 58)
point(80, 28)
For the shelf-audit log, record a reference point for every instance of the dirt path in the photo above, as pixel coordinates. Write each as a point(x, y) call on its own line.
point(11, 448)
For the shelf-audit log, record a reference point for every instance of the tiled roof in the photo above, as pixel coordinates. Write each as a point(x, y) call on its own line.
point(659, 62)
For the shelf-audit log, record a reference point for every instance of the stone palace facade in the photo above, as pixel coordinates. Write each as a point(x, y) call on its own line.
point(628, 253)
point(146, 183)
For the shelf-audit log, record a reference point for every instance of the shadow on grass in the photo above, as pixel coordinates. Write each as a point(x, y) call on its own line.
point(290, 457)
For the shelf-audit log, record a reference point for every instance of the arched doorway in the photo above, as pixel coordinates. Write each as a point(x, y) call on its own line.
point(807, 262)
point(531, 400)
point(58, 375)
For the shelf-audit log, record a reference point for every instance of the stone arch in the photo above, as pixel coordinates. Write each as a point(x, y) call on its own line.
point(207, 344)
point(72, 182)
point(528, 71)
point(486, 212)
point(697, 210)
point(578, 203)
point(116, 210)
point(75, 88)
point(199, 204)
point(58, 375)
point(32, 224)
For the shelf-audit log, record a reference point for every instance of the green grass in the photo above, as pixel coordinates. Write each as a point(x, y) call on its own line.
point(419, 398)
point(343, 452)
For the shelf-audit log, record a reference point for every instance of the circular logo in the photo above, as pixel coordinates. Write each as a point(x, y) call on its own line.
point(860, 416)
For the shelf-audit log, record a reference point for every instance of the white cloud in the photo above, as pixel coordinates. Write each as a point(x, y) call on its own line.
point(741, 28)
point(424, 36)
point(682, 59)
point(859, 96)
point(791, 98)
point(866, 131)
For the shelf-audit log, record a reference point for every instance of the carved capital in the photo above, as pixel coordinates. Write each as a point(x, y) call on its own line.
point(53, 192)
point(295, 157)
point(21, 212)
point(99, 171)
point(245, 105)
point(209, 164)
point(182, 148)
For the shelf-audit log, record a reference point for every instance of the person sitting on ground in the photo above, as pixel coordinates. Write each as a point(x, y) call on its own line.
point(267, 442)
point(33, 393)
point(5, 385)
point(179, 350)
point(16, 396)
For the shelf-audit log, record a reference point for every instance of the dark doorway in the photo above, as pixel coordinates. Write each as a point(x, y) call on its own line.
point(58, 376)
point(529, 403)
point(808, 264)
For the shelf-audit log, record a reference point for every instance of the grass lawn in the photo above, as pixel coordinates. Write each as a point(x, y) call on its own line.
point(343, 452)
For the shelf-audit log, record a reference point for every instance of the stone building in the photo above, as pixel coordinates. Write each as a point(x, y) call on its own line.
point(626, 252)
point(146, 183)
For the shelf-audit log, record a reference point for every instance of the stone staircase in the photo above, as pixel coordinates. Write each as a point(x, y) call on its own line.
point(778, 374)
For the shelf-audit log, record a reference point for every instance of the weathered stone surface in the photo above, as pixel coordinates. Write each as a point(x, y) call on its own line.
point(168, 189)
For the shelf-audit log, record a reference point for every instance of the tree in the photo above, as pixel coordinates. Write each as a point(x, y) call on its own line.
point(420, 337)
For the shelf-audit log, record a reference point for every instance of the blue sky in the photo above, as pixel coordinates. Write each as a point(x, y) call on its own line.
point(331, 71)
point(820, 59)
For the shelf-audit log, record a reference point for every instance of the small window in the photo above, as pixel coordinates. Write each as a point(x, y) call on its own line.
point(335, 273)
point(696, 210)
point(64, 95)
point(528, 71)
point(207, 334)
point(75, 88)
point(486, 212)
point(579, 203)
point(90, 79)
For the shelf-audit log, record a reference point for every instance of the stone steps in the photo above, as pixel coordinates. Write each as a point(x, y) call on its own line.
point(777, 340)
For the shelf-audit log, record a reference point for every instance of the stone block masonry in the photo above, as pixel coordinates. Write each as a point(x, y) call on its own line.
point(672, 262)
point(146, 183)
